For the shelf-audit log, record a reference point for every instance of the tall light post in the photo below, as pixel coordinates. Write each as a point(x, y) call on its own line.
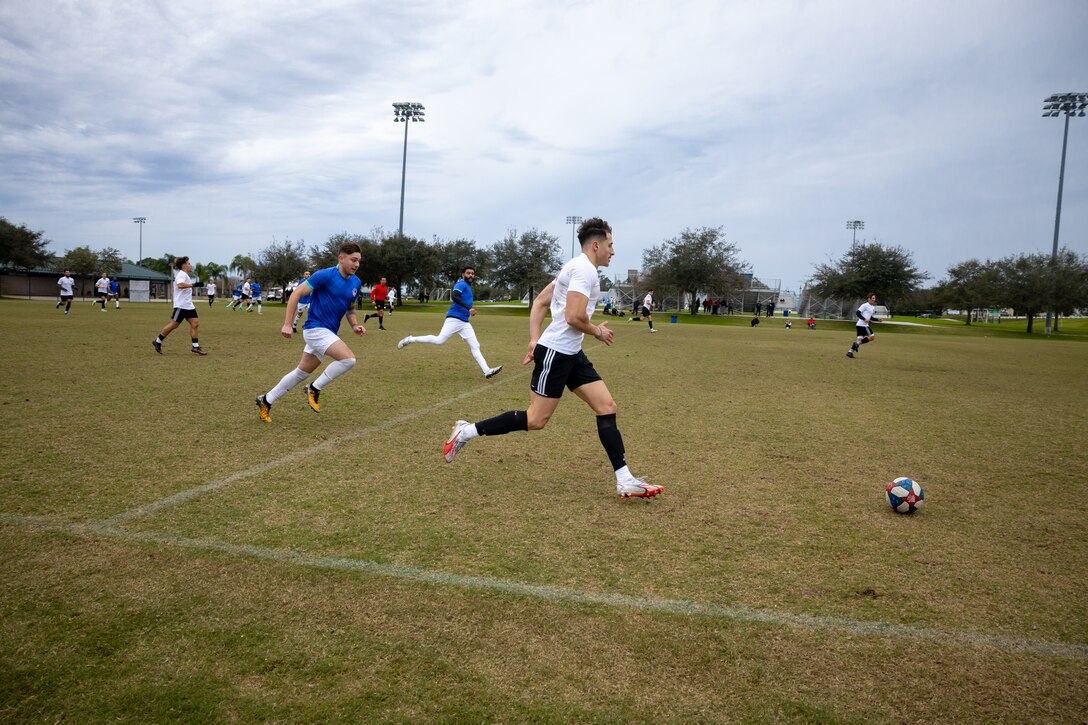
point(402, 113)
point(140, 220)
point(574, 221)
point(1070, 104)
point(855, 225)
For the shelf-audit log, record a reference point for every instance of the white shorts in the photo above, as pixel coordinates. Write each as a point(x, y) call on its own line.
point(318, 340)
point(453, 326)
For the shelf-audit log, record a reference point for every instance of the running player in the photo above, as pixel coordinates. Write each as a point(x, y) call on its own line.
point(303, 301)
point(333, 292)
point(183, 307)
point(559, 360)
point(378, 295)
point(457, 322)
point(255, 297)
point(102, 287)
point(115, 293)
point(648, 308)
point(210, 290)
point(236, 298)
point(392, 300)
point(863, 333)
point(67, 291)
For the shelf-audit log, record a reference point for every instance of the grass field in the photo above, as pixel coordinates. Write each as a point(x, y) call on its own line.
point(168, 557)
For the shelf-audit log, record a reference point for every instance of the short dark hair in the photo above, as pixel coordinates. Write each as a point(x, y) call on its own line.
point(593, 227)
point(467, 268)
point(180, 262)
point(350, 248)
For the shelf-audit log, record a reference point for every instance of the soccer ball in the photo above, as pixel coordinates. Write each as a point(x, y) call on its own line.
point(905, 495)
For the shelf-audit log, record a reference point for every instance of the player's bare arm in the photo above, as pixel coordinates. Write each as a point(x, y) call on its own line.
point(536, 318)
point(292, 308)
point(578, 318)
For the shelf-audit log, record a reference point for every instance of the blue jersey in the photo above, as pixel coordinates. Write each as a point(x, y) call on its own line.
point(456, 310)
point(115, 287)
point(255, 290)
point(304, 299)
point(331, 298)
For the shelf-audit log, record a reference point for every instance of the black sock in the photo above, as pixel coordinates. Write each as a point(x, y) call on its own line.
point(864, 340)
point(196, 342)
point(610, 439)
point(503, 423)
point(160, 338)
point(67, 305)
point(651, 323)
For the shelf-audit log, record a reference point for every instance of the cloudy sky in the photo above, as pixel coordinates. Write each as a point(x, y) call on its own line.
point(229, 124)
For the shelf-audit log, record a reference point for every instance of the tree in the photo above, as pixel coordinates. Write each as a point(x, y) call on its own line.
point(22, 247)
point(325, 255)
point(525, 261)
point(867, 268)
point(971, 285)
point(1070, 283)
point(162, 265)
point(209, 271)
point(453, 256)
point(404, 260)
point(243, 264)
point(1025, 284)
point(697, 260)
point(110, 260)
point(280, 262)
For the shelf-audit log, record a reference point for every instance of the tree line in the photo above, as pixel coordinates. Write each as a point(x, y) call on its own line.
point(695, 261)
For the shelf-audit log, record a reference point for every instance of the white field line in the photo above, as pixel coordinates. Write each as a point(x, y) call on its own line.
point(944, 637)
point(191, 493)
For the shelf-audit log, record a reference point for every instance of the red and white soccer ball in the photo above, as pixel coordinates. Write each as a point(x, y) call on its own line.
point(905, 495)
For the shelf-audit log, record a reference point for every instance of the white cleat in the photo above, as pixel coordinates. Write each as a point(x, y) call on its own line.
point(404, 343)
point(638, 488)
point(653, 329)
point(493, 372)
point(455, 442)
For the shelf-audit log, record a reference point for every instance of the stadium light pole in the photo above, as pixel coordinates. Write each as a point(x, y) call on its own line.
point(140, 220)
point(402, 113)
point(1070, 104)
point(574, 221)
point(855, 225)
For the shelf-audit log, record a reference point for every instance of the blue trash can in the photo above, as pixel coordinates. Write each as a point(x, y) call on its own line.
point(673, 319)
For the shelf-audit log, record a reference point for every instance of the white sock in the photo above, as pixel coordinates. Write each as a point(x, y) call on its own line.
point(289, 381)
point(335, 369)
point(623, 475)
point(469, 432)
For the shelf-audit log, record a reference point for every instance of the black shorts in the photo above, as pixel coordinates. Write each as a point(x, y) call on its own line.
point(180, 314)
point(863, 331)
point(66, 298)
point(554, 369)
point(379, 304)
point(645, 311)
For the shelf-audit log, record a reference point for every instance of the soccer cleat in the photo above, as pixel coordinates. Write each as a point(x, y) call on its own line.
point(157, 345)
point(849, 353)
point(198, 351)
point(653, 329)
point(638, 488)
point(265, 409)
point(455, 442)
point(56, 306)
point(493, 372)
point(312, 394)
point(404, 343)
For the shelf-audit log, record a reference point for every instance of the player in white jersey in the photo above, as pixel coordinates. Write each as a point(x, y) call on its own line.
point(863, 333)
point(210, 290)
point(559, 360)
point(184, 309)
point(303, 302)
point(67, 287)
point(102, 287)
point(648, 308)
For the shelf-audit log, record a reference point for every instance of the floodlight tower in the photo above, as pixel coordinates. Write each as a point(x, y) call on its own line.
point(855, 225)
point(1069, 104)
point(574, 221)
point(402, 113)
point(140, 220)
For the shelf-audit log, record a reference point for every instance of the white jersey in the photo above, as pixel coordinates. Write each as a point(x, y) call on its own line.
point(578, 275)
point(246, 289)
point(67, 285)
point(102, 285)
point(866, 311)
point(648, 301)
point(183, 298)
point(211, 289)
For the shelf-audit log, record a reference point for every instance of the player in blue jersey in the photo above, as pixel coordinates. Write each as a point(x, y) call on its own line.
point(115, 293)
point(457, 317)
point(333, 292)
point(255, 296)
point(303, 302)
